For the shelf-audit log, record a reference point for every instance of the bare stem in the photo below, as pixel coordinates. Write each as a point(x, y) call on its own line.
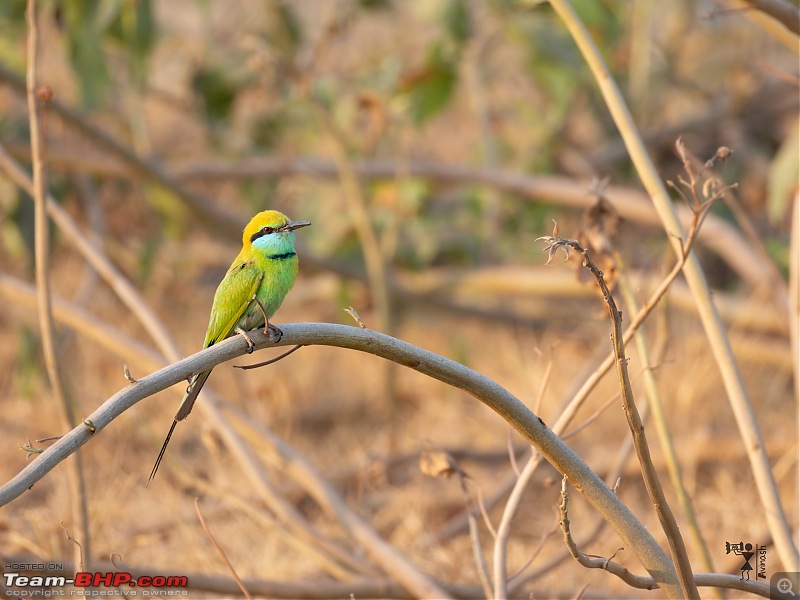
point(651, 480)
point(36, 100)
point(221, 552)
point(709, 316)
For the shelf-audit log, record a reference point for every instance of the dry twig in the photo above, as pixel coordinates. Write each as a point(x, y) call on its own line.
point(293, 464)
point(709, 316)
point(651, 480)
point(37, 98)
point(221, 552)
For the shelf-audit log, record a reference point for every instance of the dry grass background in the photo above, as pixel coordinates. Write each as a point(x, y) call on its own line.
point(331, 404)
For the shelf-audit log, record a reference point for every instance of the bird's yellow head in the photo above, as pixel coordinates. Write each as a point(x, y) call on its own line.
point(271, 232)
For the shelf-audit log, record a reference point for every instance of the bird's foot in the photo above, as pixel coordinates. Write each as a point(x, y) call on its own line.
point(250, 344)
point(274, 334)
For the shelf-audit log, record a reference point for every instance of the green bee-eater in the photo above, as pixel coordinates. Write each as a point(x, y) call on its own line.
point(252, 290)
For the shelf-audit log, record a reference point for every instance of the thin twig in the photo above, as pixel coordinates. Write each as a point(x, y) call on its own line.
point(220, 550)
point(661, 427)
point(742, 409)
point(512, 458)
point(482, 508)
point(377, 271)
point(78, 547)
point(606, 564)
point(534, 554)
point(569, 412)
point(355, 197)
point(777, 17)
point(440, 463)
point(612, 477)
point(591, 418)
point(477, 551)
point(704, 188)
point(476, 84)
point(294, 465)
point(504, 528)
point(311, 547)
point(268, 362)
point(651, 480)
point(717, 580)
point(36, 102)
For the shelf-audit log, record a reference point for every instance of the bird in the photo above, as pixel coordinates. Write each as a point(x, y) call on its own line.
point(252, 290)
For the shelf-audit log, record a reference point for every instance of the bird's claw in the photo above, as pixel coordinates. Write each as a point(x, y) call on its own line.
point(250, 344)
point(271, 331)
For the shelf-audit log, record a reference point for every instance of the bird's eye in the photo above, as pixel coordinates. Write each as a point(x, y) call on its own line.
point(266, 230)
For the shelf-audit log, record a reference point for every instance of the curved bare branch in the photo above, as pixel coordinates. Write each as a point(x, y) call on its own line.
point(595, 491)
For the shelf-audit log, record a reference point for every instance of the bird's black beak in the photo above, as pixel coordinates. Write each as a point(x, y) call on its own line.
point(291, 225)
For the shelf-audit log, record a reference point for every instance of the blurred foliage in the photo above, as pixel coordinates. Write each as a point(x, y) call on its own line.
point(243, 90)
point(784, 173)
point(29, 367)
point(90, 27)
point(17, 228)
point(216, 90)
point(489, 85)
point(283, 30)
point(432, 87)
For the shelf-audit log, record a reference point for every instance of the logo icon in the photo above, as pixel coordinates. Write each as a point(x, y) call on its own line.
point(747, 551)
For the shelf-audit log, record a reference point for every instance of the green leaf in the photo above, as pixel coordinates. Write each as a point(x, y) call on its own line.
point(135, 28)
point(783, 175)
point(458, 21)
point(434, 89)
point(284, 32)
point(217, 91)
point(267, 130)
point(375, 4)
point(85, 47)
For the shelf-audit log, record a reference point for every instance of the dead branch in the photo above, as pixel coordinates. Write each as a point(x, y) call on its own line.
point(596, 492)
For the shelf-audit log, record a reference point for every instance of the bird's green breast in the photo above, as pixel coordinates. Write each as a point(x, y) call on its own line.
point(267, 269)
point(280, 273)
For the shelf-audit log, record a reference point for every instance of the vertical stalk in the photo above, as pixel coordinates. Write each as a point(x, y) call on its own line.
point(41, 249)
point(712, 323)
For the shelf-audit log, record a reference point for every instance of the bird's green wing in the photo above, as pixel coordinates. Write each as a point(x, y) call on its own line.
point(231, 299)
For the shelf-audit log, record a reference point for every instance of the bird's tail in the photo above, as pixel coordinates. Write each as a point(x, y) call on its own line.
point(190, 396)
point(184, 409)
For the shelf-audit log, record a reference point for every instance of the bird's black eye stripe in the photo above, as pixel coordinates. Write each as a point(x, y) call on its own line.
point(261, 232)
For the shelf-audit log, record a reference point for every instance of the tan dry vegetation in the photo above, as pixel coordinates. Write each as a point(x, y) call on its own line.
point(330, 404)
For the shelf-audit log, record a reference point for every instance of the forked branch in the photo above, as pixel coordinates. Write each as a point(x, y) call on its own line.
point(652, 483)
